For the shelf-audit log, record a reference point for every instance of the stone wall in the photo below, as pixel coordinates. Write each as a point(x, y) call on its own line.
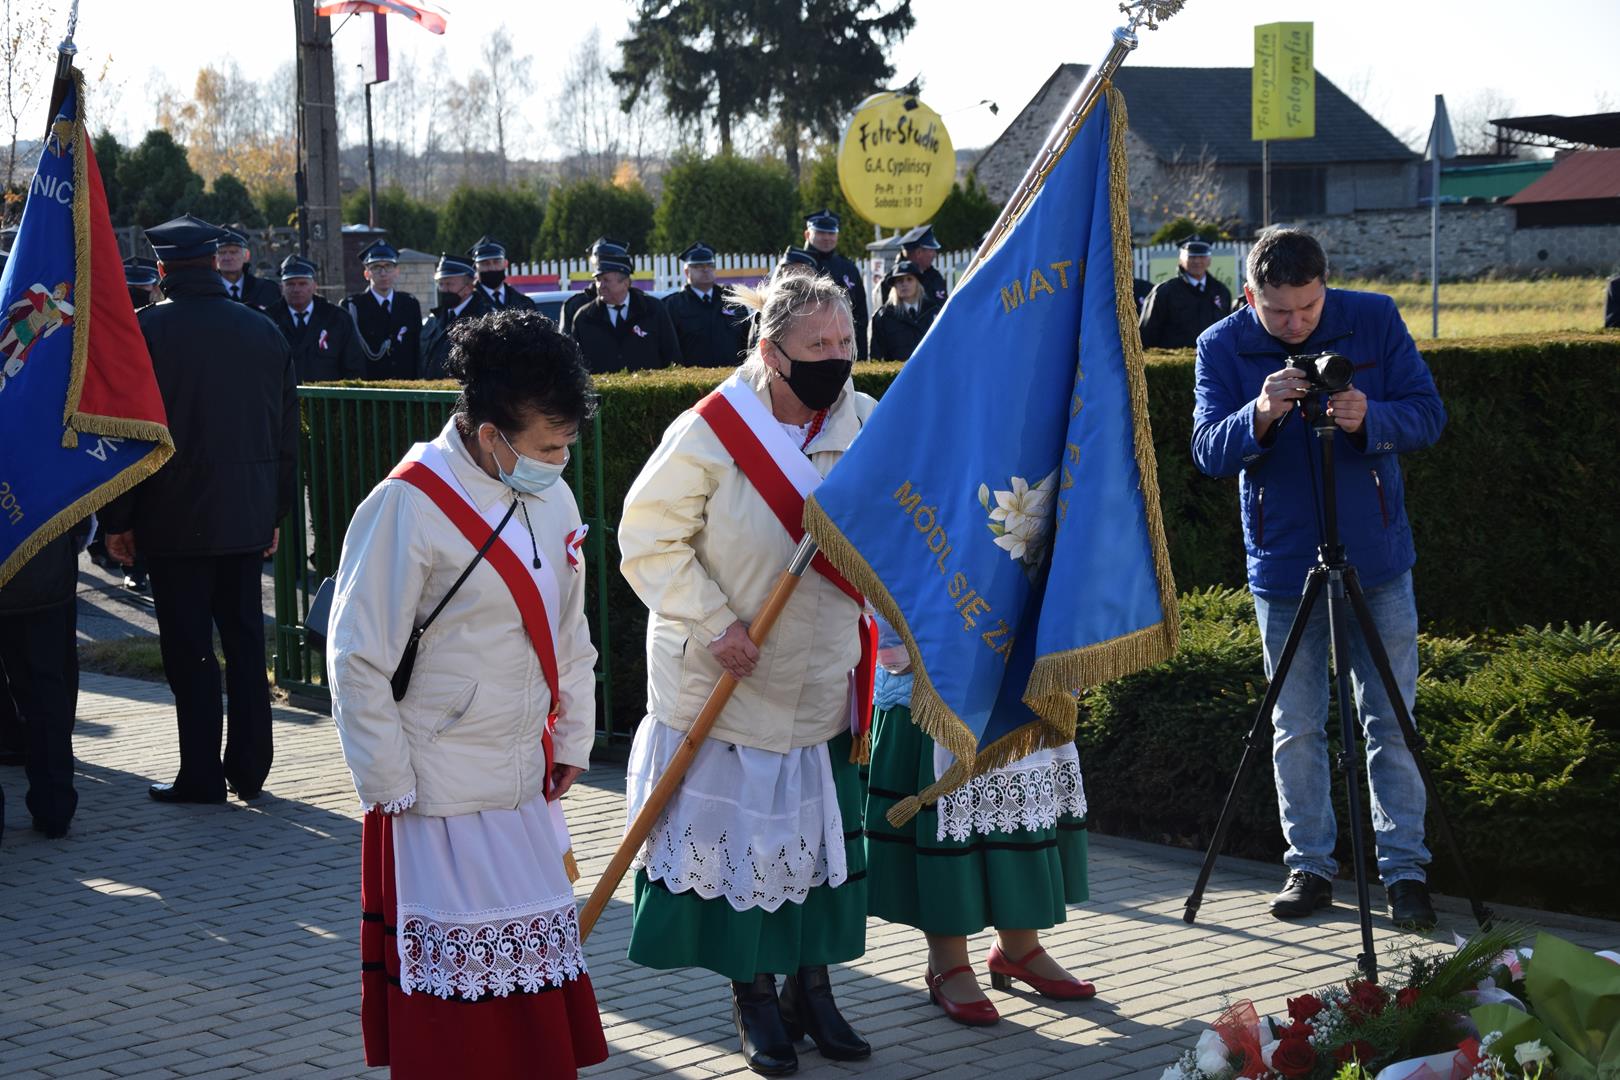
point(1474, 241)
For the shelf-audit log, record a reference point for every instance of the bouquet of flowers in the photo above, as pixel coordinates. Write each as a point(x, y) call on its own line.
point(1484, 1011)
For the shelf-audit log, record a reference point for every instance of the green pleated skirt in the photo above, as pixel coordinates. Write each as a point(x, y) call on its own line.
point(675, 930)
point(1020, 880)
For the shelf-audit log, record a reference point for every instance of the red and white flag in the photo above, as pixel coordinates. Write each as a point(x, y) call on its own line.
point(426, 16)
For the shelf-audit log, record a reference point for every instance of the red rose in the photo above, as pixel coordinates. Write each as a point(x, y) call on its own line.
point(1366, 999)
point(1294, 1057)
point(1304, 1008)
point(1407, 996)
point(1360, 1050)
point(1297, 1030)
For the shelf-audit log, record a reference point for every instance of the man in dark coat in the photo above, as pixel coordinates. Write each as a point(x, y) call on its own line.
point(325, 342)
point(235, 262)
point(919, 247)
point(39, 676)
point(906, 314)
point(489, 257)
point(390, 321)
point(572, 305)
point(623, 329)
point(207, 519)
point(1180, 309)
point(821, 240)
point(459, 298)
point(1611, 305)
point(712, 330)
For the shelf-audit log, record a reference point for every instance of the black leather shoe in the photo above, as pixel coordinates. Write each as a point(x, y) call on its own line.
point(170, 794)
point(766, 1048)
point(1303, 893)
point(243, 792)
point(808, 1009)
point(1409, 905)
point(52, 830)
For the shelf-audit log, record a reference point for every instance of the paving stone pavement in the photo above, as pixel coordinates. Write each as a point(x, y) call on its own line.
point(222, 941)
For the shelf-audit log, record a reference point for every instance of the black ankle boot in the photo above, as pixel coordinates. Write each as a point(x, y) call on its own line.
point(808, 1008)
point(766, 1048)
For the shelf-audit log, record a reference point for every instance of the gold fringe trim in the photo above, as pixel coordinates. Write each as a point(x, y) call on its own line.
point(860, 751)
point(82, 508)
point(81, 270)
point(570, 867)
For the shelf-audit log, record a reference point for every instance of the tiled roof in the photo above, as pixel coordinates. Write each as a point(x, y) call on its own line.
point(1585, 174)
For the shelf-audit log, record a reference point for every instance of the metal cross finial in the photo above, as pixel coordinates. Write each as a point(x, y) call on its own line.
point(1150, 13)
point(67, 45)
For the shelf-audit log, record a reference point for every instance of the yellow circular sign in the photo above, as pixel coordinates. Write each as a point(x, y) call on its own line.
point(895, 162)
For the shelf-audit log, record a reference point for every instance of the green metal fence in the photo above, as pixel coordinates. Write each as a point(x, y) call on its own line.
point(351, 439)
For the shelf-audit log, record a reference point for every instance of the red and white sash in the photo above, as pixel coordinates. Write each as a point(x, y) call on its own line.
point(534, 589)
point(784, 478)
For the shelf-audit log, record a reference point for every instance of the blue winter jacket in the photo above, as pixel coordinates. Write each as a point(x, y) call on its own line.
point(1278, 481)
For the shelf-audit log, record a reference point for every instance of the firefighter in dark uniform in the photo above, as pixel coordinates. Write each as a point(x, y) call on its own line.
point(623, 329)
point(207, 519)
point(460, 297)
point(1180, 309)
point(141, 278)
point(235, 262)
point(821, 240)
point(905, 316)
point(919, 247)
point(390, 321)
point(489, 257)
point(572, 305)
point(325, 342)
point(712, 330)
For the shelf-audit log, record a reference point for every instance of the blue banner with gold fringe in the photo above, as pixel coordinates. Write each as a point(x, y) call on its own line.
point(1001, 507)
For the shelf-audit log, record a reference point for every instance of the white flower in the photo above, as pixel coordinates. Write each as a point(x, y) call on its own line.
point(1531, 1053)
point(1022, 517)
point(1210, 1054)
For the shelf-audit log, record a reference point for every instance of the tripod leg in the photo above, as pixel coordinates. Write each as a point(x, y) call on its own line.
point(1414, 741)
point(1349, 764)
point(1254, 741)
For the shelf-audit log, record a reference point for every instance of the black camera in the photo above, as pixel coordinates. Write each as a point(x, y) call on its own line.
point(1327, 372)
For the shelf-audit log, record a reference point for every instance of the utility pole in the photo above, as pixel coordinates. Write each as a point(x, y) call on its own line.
point(320, 212)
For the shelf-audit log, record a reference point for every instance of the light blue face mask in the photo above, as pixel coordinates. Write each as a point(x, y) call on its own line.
point(528, 476)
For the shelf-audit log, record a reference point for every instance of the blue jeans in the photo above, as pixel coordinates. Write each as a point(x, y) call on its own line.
point(1299, 742)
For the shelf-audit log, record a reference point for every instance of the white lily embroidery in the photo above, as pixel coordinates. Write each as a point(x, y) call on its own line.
point(1021, 519)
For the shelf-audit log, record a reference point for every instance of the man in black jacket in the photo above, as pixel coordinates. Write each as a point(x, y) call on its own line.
point(459, 298)
point(573, 304)
point(324, 341)
point(389, 321)
point(207, 519)
point(919, 248)
point(1180, 309)
point(39, 676)
point(623, 329)
point(235, 262)
point(821, 240)
point(1611, 305)
point(489, 256)
point(711, 329)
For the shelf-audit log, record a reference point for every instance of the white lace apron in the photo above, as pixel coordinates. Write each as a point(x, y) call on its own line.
point(1030, 793)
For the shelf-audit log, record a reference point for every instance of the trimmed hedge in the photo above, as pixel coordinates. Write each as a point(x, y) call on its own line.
point(1524, 744)
point(1513, 511)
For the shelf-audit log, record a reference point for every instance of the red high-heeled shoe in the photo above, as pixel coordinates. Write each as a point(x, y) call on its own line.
point(972, 1013)
point(1003, 971)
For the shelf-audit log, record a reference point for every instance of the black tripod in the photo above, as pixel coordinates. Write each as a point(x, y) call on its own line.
point(1334, 573)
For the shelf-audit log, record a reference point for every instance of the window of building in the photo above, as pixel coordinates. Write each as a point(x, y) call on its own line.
point(1296, 191)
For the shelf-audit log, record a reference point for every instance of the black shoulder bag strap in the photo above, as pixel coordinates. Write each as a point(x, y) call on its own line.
point(401, 681)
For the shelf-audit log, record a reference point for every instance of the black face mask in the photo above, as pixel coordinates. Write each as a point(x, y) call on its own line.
point(817, 383)
point(491, 279)
point(448, 300)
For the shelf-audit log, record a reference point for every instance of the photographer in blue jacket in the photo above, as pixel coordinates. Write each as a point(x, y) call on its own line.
point(1246, 422)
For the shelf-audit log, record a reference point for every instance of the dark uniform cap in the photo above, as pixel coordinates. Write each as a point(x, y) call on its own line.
point(487, 248)
point(229, 236)
point(294, 266)
point(920, 237)
point(608, 242)
point(140, 272)
point(797, 257)
point(902, 267)
point(381, 251)
point(185, 237)
point(611, 258)
point(822, 220)
point(454, 266)
point(698, 253)
point(1195, 245)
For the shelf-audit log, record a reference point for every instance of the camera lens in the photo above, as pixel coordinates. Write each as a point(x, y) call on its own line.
point(1331, 372)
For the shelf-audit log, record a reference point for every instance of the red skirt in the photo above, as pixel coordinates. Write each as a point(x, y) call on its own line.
point(522, 1036)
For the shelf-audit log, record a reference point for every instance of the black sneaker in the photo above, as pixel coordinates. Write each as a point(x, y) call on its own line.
point(1409, 905)
point(1303, 893)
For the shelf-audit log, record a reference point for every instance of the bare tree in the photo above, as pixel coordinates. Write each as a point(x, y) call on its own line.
point(1182, 187)
point(595, 135)
point(1471, 122)
point(23, 52)
point(506, 71)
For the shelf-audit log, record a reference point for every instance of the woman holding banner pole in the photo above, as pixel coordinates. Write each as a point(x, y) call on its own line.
point(1006, 850)
point(755, 868)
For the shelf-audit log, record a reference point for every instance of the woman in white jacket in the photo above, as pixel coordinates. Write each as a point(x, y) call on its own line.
point(460, 664)
point(756, 867)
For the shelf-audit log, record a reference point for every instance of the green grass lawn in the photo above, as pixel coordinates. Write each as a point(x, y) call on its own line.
point(140, 658)
point(1488, 308)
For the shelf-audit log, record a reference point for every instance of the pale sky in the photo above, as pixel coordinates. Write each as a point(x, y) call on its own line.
point(1392, 55)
